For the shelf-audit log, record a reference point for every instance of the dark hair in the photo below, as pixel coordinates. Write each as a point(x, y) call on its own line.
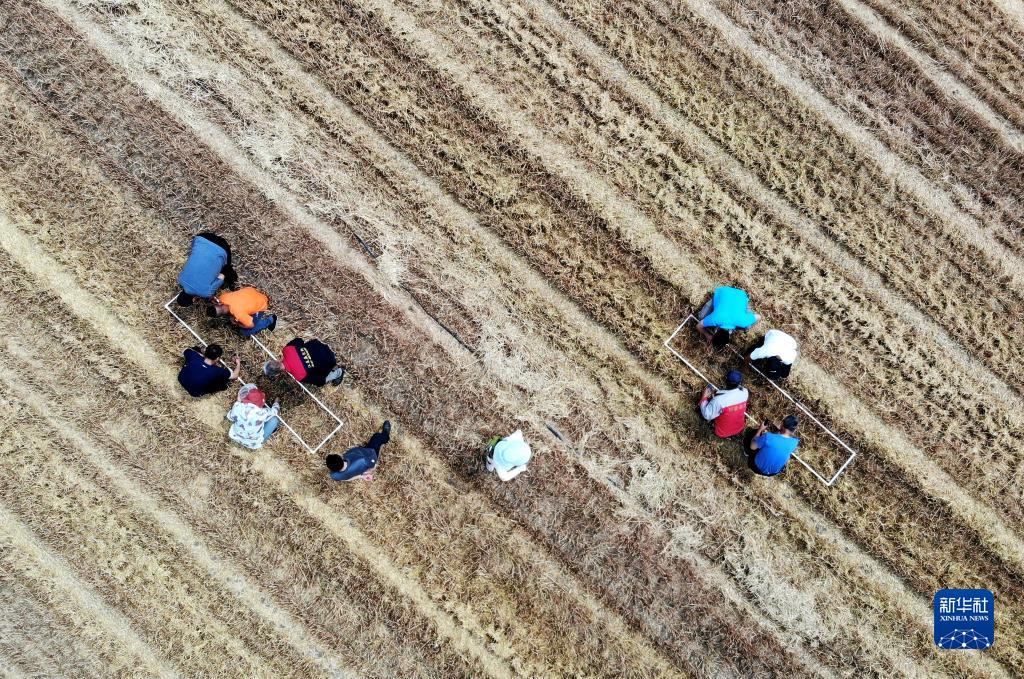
point(335, 462)
point(211, 311)
point(790, 423)
point(720, 338)
point(184, 299)
point(213, 352)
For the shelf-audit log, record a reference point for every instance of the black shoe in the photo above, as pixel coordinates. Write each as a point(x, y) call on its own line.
point(273, 324)
point(386, 428)
point(337, 380)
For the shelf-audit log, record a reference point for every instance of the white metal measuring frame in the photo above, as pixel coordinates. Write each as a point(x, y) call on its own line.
point(817, 475)
point(262, 346)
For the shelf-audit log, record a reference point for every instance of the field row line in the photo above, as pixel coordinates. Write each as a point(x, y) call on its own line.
point(943, 80)
point(910, 178)
point(678, 268)
point(27, 554)
point(219, 568)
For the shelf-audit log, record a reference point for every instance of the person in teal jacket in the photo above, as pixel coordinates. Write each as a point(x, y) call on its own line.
point(768, 452)
point(727, 310)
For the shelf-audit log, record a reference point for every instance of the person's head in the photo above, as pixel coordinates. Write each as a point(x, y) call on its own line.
point(213, 352)
point(733, 379)
point(184, 299)
point(335, 463)
point(790, 423)
point(720, 338)
point(215, 310)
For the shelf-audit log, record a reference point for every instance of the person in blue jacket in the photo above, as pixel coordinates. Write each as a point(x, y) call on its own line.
point(768, 452)
point(207, 268)
point(726, 311)
point(359, 462)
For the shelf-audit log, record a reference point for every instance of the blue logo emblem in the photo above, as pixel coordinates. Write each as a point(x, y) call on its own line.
point(965, 618)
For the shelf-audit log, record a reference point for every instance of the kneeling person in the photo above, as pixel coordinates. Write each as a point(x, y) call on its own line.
point(775, 357)
point(359, 462)
point(727, 408)
point(768, 452)
point(308, 361)
point(728, 310)
point(248, 310)
point(201, 375)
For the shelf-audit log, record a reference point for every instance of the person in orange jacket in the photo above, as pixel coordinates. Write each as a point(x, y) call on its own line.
point(248, 310)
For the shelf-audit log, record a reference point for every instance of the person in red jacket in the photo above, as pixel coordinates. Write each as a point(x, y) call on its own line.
point(308, 361)
point(727, 408)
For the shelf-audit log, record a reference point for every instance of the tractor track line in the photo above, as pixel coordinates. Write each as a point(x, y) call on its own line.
point(230, 576)
point(910, 178)
point(946, 82)
point(274, 471)
point(920, 457)
point(50, 568)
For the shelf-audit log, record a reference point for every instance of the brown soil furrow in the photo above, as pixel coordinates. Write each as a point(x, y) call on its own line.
point(927, 384)
point(87, 524)
point(228, 576)
point(354, 547)
point(223, 195)
point(740, 227)
point(23, 553)
point(972, 40)
point(889, 94)
point(885, 33)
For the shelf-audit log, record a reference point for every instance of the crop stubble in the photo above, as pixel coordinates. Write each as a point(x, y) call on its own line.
point(229, 217)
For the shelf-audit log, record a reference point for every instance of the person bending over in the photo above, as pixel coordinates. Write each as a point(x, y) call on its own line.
point(775, 356)
point(509, 456)
point(726, 311)
point(252, 422)
point(768, 452)
point(207, 268)
point(201, 374)
point(308, 361)
point(248, 310)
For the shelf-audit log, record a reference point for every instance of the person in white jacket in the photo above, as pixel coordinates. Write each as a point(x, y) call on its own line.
point(775, 357)
point(509, 456)
point(252, 422)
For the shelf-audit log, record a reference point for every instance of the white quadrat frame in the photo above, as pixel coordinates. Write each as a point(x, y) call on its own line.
point(804, 410)
point(268, 352)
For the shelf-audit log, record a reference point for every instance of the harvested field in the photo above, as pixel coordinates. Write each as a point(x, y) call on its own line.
point(495, 211)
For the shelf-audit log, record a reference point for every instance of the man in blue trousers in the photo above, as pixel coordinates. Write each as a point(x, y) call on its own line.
point(359, 462)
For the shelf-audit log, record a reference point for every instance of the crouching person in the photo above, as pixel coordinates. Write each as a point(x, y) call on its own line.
point(775, 357)
point(252, 422)
point(207, 268)
point(768, 452)
point(728, 310)
point(359, 462)
point(308, 361)
point(727, 408)
point(248, 308)
point(200, 375)
point(509, 456)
